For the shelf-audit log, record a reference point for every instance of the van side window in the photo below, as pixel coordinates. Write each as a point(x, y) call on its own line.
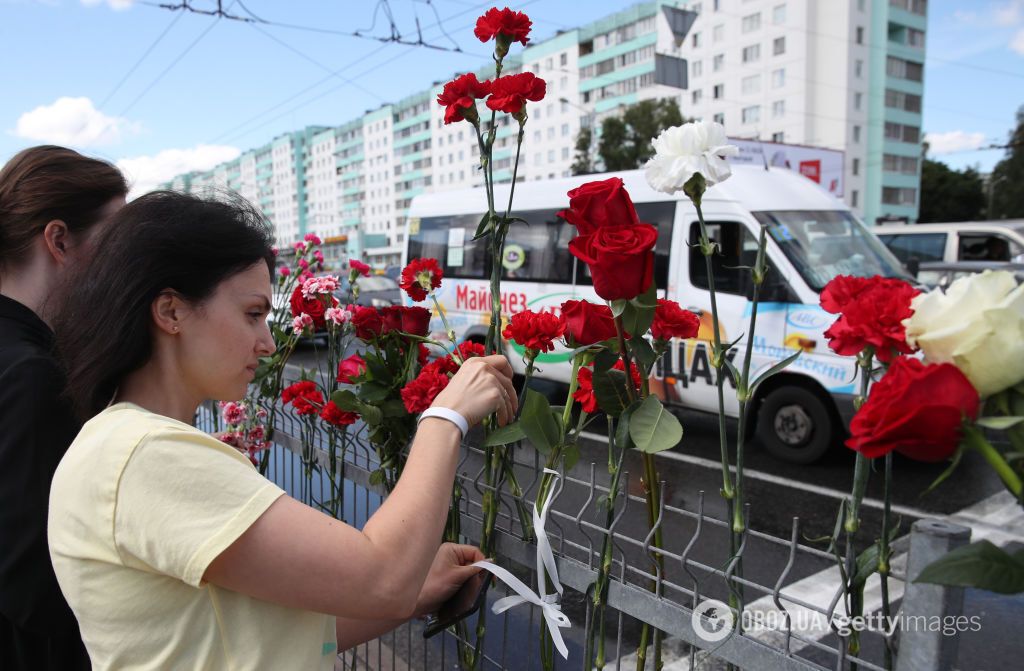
point(923, 246)
point(737, 247)
point(986, 247)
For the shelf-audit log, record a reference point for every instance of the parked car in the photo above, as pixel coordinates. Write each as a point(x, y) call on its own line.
point(941, 274)
point(376, 291)
point(991, 241)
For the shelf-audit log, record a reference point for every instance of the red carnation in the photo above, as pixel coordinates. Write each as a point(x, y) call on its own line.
point(359, 267)
point(350, 369)
point(334, 415)
point(315, 306)
point(585, 390)
point(421, 392)
point(871, 312)
point(460, 95)
point(509, 94)
point(422, 355)
point(420, 277)
point(916, 410)
point(534, 331)
point(304, 397)
point(587, 323)
point(672, 321)
point(503, 23)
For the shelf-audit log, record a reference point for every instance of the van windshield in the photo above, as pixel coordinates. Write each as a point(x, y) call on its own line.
point(825, 243)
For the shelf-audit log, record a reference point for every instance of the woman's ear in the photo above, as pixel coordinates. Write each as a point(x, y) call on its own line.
point(58, 240)
point(169, 310)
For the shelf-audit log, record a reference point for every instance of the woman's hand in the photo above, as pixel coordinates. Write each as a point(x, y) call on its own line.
point(482, 386)
point(452, 566)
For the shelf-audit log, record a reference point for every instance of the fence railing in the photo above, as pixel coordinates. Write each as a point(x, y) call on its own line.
point(698, 565)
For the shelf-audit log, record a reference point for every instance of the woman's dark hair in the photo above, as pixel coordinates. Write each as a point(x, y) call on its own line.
point(162, 241)
point(44, 183)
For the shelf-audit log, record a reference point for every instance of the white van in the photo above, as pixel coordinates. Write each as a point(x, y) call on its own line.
point(1001, 241)
point(812, 238)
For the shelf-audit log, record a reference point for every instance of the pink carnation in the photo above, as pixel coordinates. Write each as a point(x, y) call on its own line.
point(337, 316)
point(285, 271)
point(300, 248)
point(301, 322)
point(304, 264)
point(234, 413)
point(359, 267)
point(312, 238)
point(320, 286)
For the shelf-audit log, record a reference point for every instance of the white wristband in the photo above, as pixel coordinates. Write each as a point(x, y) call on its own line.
point(452, 416)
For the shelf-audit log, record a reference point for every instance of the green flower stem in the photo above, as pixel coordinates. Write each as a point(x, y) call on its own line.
point(976, 440)
point(718, 356)
point(883, 553)
point(861, 472)
point(447, 329)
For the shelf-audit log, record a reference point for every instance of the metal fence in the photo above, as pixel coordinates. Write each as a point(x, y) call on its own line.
point(697, 565)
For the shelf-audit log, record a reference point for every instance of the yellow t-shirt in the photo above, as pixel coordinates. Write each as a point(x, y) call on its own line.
point(140, 505)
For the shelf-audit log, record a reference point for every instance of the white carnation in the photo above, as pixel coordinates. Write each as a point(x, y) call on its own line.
point(681, 152)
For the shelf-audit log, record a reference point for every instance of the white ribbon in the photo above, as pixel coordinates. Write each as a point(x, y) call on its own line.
point(548, 603)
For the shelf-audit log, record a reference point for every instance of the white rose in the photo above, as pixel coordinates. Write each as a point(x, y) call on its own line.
point(978, 325)
point(681, 152)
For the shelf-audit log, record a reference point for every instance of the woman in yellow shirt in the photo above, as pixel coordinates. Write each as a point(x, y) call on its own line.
point(171, 549)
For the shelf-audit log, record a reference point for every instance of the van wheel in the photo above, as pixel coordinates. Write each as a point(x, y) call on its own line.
point(795, 425)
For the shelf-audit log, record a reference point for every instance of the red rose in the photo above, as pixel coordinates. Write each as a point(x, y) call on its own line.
point(332, 414)
point(314, 306)
point(421, 392)
point(415, 320)
point(597, 204)
point(460, 95)
point(367, 323)
point(916, 410)
point(419, 277)
point(515, 26)
point(359, 267)
point(391, 319)
point(671, 321)
point(871, 313)
point(350, 369)
point(534, 331)
point(509, 94)
point(621, 259)
point(587, 323)
point(585, 390)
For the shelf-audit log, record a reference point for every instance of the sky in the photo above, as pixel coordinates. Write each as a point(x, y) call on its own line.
point(162, 92)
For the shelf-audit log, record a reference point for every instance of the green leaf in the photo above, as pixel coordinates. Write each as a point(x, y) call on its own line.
point(639, 312)
point(372, 415)
point(605, 360)
point(377, 477)
point(618, 306)
point(278, 332)
point(737, 378)
point(506, 435)
point(654, 429)
point(484, 226)
point(999, 423)
point(393, 407)
point(957, 456)
point(774, 370)
point(867, 563)
point(981, 565)
point(539, 425)
point(570, 456)
point(610, 390)
point(643, 352)
point(622, 439)
point(373, 392)
point(346, 400)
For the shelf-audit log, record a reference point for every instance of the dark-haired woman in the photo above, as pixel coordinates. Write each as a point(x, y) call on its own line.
point(53, 203)
point(172, 550)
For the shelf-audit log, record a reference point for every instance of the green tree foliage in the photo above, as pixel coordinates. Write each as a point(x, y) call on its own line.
point(625, 141)
point(1007, 180)
point(950, 195)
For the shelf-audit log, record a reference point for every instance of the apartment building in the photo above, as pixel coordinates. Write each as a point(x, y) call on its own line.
point(838, 74)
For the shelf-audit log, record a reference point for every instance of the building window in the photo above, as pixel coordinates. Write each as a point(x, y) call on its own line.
point(856, 133)
point(565, 153)
point(779, 46)
point(718, 118)
point(751, 84)
point(718, 91)
point(779, 137)
point(696, 96)
point(906, 165)
point(855, 168)
point(696, 40)
point(751, 53)
point(717, 62)
point(565, 130)
point(778, 108)
point(903, 69)
point(858, 68)
point(563, 59)
point(902, 133)
point(751, 23)
point(857, 100)
point(892, 195)
point(853, 198)
point(919, 7)
point(779, 14)
point(696, 68)
point(915, 38)
point(718, 34)
point(778, 78)
point(751, 114)
point(860, 35)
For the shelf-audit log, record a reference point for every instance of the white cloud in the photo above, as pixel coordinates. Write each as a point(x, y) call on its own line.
point(1009, 14)
point(954, 140)
point(73, 121)
point(145, 173)
point(1017, 44)
point(116, 5)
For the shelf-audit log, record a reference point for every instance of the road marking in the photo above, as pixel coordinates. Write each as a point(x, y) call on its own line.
point(837, 494)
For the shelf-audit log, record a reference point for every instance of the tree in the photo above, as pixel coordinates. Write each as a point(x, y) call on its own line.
point(1007, 180)
point(950, 195)
point(625, 142)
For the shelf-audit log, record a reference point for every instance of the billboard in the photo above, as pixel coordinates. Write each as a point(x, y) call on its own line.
point(824, 166)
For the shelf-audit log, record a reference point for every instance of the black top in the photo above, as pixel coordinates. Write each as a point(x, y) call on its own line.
point(36, 427)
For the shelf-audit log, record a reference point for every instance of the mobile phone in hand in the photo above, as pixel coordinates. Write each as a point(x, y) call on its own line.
point(468, 600)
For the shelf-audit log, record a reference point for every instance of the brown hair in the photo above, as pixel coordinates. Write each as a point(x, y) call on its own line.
point(44, 183)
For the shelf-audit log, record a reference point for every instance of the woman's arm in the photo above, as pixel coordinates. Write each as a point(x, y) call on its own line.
point(298, 557)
